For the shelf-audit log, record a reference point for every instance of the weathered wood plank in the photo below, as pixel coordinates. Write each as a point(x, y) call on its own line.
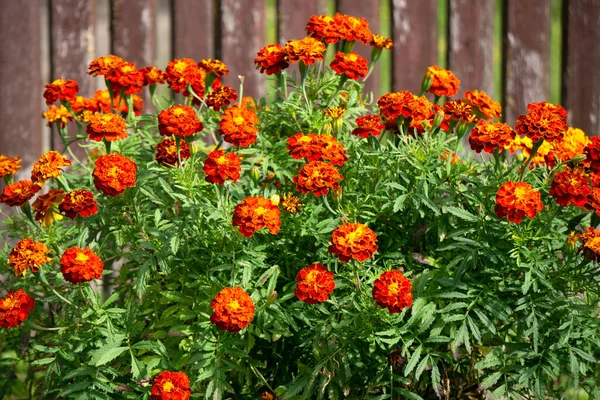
point(415, 35)
point(293, 16)
point(133, 31)
point(527, 52)
point(581, 59)
point(193, 29)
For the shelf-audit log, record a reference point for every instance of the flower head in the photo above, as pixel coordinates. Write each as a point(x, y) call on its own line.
point(106, 126)
point(28, 253)
point(291, 204)
point(317, 148)
point(317, 177)
point(271, 59)
point(15, 308)
point(80, 265)
point(591, 243)
point(102, 101)
point(350, 64)
point(352, 28)
point(78, 202)
point(221, 97)
point(516, 200)
point(369, 125)
point(480, 101)
point(45, 206)
point(217, 67)
point(443, 81)
point(125, 77)
point(113, 173)
point(152, 76)
point(255, 213)
point(233, 309)
point(166, 152)
point(220, 166)
point(179, 120)
point(543, 121)
point(9, 165)
point(171, 386)
point(18, 193)
point(61, 90)
point(381, 42)
point(60, 115)
point(183, 72)
point(308, 50)
point(48, 166)
point(592, 153)
point(353, 240)
point(315, 284)
point(572, 144)
point(238, 125)
point(403, 103)
point(569, 187)
point(392, 290)
point(104, 65)
point(489, 136)
point(324, 28)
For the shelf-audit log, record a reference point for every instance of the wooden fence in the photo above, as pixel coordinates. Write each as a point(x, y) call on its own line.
point(233, 30)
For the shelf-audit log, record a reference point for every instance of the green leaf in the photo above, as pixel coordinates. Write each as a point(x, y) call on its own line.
point(461, 213)
point(491, 380)
point(106, 354)
point(43, 361)
point(412, 363)
point(485, 320)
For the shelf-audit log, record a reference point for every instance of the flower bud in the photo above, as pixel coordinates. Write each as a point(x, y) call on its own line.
point(326, 130)
point(272, 297)
point(255, 174)
point(275, 199)
point(426, 82)
point(578, 158)
point(438, 119)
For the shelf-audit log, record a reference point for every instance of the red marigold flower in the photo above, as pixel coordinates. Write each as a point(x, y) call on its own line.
point(78, 202)
point(568, 187)
point(15, 308)
point(182, 72)
point(238, 126)
point(48, 166)
point(9, 165)
point(353, 240)
point(152, 76)
point(368, 125)
point(106, 126)
point(443, 83)
point(324, 28)
point(458, 110)
point(308, 50)
point(315, 283)
point(28, 253)
point(221, 97)
point(166, 152)
point(543, 121)
point(392, 290)
point(381, 42)
point(592, 153)
point(255, 213)
point(113, 173)
point(233, 309)
point(60, 115)
point(489, 136)
point(80, 265)
point(179, 120)
point(291, 204)
point(317, 148)
point(124, 76)
point(271, 59)
point(351, 64)
point(171, 386)
point(220, 166)
point(352, 28)
point(487, 107)
point(591, 244)
point(104, 65)
point(16, 194)
point(516, 200)
point(404, 103)
point(593, 201)
point(317, 177)
point(61, 90)
point(45, 204)
point(217, 67)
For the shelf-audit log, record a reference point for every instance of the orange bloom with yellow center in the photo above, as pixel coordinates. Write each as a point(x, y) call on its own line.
point(458, 110)
point(233, 309)
point(60, 115)
point(221, 97)
point(217, 67)
point(308, 50)
point(443, 81)
point(61, 90)
point(171, 386)
point(392, 290)
point(183, 72)
point(78, 202)
point(18, 193)
point(525, 144)
point(45, 205)
point(353, 241)
point(571, 145)
point(369, 125)
point(317, 148)
point(517, 200)
point(487, 107)
point(324, 28)
point(80, 265)
point(568, 187)
point(48, 166)
point(126, 78)
point(152, 76)
point(238, 126)
point(179, 120)
point(255, 213)
point(220, 166)
point(82, 104)
point(271, 59)
point(315, 284)
point(403, 103)
point(113, 173)
point(166, 152)
point(591, 244)
point(350, 64)
point(291, 204)
point(381, 42)
point(15, 308)
point(317, 177)
point(28, 253)
point(104, 65)
point(9, 165)
point(334, 112)
point(543, 121)
point(110, 127)
point(352, 28)
point(489, 136)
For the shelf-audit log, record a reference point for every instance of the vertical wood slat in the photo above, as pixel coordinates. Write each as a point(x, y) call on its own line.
point(415, 35)
point(133, 31)
point(242, 35)
point(527, 52)
point(193, 29)
point(581, 60)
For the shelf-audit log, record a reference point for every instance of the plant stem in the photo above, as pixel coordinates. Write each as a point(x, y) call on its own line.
point(534, 151)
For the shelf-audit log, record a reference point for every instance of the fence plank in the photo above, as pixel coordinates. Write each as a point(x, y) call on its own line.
point(133, 31)
point(242, 35)
point(293, 17)
point(527, 51)
point(471, 44)
point(193, 29)
point(582, 57)
point(414, 32)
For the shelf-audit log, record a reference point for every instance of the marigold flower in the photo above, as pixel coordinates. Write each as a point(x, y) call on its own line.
point(352, 28)
point(572, 144)
point(106, 126)
point(324, 28)
point(543, 121)
point(166, 152)
point(179, 120)
point(458, 110)
point(516, 200)
point(255, 213)
point(28, 253)
point(489, 136)
point(60, 115)
point(308, 50)
point(104, 65)
point(392, 290)
point(171, 386)
point(48, 166)
point(487, 107)
point(217, 67)
point(291, 204)
point(15, 308)
point(221, 97)
point(220, 166)
point(233, 309)
point(102, 98)
point(353, 240)
point(238, 126)
point(572, 238)
point(125, 77)
point(78, 202)
point(593, 201)
point(454, 159)
point(368, 125)
point(392, 105)
point(525, 144)
point(80, 265)
point(9, 165)
point(267, 394)
point(317, 148)
point(182, 72)
point(592, 153)
point(113, 173)
point(315, 283)
point(44, 207)
point(334, 112)
point(271, 59)
point(444, 82)
point(152, 76)
point(317, 177)
point(81, 104)
point(61, 90)
point(591, 244)
point(568, 187)
point(382, 42)
point(18, 193)
point(351, 64)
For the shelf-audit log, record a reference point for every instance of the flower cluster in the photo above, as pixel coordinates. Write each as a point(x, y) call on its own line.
point(59, 115)
point(308, 50)
point(15, 308)
point(271, 59)
point(255, 213)
point(516, 200)
point(590, 243)
point(80, 265)
point(233, 309)
point(481, 102)
point(353, 241)
point(26, 254)
point(221, 97)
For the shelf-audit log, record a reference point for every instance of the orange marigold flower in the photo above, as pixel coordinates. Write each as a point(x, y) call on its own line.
point(487, 107)
point(9, 165)
point(104, 65)
point(16, 194)
point(334, 112)
point(171, 386)
point(459, 110)
point(392, 290)
point(291, 204)
point(106, 126)
point(392, 105)
point(308, 50)
point(179, 120)
point(593, 201)
point(183, 72)
point(238, 126)
point(166, 152)
point(80, 265)
point(78, 202)
point(368, 125)
point(125, 77)
point(81, 104)
point(152, 76)
point(221, 97)
point(317, 177)
point(15, 308)
point(443, 83)
point(572, 238)
point(571, 145)
point(516, 200)
point(351, 64)
point(317, 148)
point(489, 136)
point(233, 309)
point(60, 115)
point(113, 173)
point(267, 394)
point(382, 42)
point(255, 213)
point(324, 28)
point(220, 166)
point(543, 121)
point(315, 283)
point(48, 166)
point(352, 28)
point(592, 153)
point(102, 98)
point(454, 159)
point(353, 240)
point(217, 67)
point(591, 244)
point(271, 59)
point(45, 204)
point(61, 90)
point(568, 187)
point(28, 253)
